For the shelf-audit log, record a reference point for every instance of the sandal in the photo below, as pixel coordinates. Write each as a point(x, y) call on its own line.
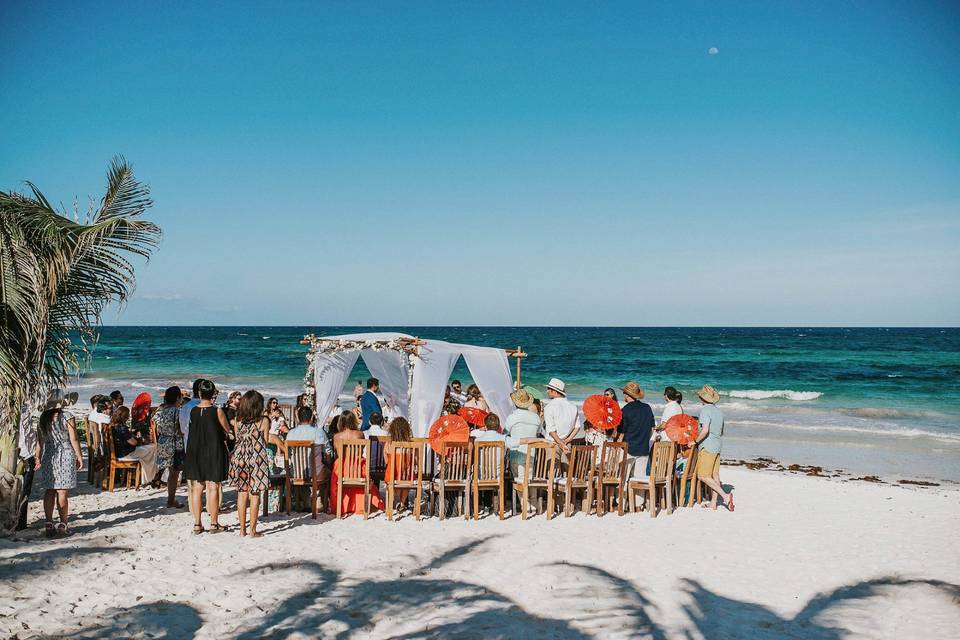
point(730, 501)
point(62, 530)
point(49, 530)
point(198, 529)
point(217, 528)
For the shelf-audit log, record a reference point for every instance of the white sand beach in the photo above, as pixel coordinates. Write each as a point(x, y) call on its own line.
point(802, 557)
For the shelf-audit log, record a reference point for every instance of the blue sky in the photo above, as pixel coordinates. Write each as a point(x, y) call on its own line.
point(508, 163)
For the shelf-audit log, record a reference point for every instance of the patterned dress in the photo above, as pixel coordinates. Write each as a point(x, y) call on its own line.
point(169, 438)
point(249, 469)
point(58, 466)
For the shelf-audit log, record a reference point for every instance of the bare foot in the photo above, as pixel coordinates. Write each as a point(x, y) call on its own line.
point(256, 534)
point(243, 533)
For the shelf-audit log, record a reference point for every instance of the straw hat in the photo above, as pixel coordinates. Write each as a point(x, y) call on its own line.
point(521, 399)
point(557, 385)
point(57, 399)
point(708, 394)
point(633, 390)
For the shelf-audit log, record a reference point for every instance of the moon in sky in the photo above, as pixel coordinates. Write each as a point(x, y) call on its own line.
point(713, 51)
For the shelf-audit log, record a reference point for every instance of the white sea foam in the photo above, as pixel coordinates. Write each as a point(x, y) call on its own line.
point(896, 433)
point(763, 394)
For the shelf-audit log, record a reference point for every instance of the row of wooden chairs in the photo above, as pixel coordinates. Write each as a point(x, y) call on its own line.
point(471, 468)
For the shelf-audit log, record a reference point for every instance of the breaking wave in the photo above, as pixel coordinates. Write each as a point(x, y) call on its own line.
point(786, 394)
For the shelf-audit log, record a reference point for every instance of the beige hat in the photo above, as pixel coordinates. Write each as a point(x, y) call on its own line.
point(57, 399)
point(633, 390)
point(708, 394)
point(522, 399)
point(557, 385)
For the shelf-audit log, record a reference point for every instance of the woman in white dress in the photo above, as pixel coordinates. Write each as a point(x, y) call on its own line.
point(673, 399)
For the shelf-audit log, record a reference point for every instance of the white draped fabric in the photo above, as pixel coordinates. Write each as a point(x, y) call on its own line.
point(432, 367)
point(330, 372)
point(490, 369)
point(431, 370)
point(392, 370)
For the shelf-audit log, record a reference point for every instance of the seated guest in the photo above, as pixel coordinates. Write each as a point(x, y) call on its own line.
point(450, 404)
point(128, 447)
point(596, 437)
point(489, 431)
point(97, 419)
point(349, 429)
point(475, 399)
point(521, 427)
point(456, 392)
point(376, 426)
point(637, 427)
point(561, 418)
point(116, 399)
point(399, 431)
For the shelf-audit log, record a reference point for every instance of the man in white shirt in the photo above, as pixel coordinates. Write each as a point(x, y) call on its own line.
point(456, 392)
point(185, 410)
point(323, 450)
point(561, 418)
point(376, 426)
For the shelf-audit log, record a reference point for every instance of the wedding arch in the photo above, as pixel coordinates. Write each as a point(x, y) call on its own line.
point(413, 372)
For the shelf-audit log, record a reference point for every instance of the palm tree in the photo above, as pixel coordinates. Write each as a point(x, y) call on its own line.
point(56, 278)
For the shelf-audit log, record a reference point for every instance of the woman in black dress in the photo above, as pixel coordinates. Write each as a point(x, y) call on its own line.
point(206, 460)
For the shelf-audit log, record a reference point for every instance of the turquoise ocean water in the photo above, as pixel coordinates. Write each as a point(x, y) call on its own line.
point(884, 400)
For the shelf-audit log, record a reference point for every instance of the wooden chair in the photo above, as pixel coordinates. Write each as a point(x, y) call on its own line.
point(611, 476)
point(93, 440)
point(378, 462)
point(406, 472)
point(489, 459)
point(354, 471)
point(662, 464)
point(114, 465)
point(539, 472)
point(430, 469)
point(300, 473)
point(455, 462)
point(581, 470)
point(688, 488)
point(287, 411)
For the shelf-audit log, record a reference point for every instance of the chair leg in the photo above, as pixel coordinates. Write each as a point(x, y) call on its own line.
point(286, 490)
point(620, 500)
point(500, 496)
point(389, 506)
point(339, 498)
point(549, 503)
point(588, 503)
point(633, 499)
point(416, 506)
point(366, 498)
point(112, 479)
point(524, 502)
point(476, 502)
point(568, 502)
point(669, 492)
point(314, 491)
point(443, 503)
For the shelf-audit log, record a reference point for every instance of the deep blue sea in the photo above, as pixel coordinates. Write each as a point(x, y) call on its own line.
point(805, 394)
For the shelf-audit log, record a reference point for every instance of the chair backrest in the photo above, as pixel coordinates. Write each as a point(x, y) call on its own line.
point(540, 462)
point(455, 461)
point(353, 455)
point(407, 461)
point(107, 438)
point(613, 462)
point(88, 433)
point(299, 457)
point(488, 461)
point(662, 460)
point(287, 411)
point(378, 447)
point(430, 464)
point(582, 463)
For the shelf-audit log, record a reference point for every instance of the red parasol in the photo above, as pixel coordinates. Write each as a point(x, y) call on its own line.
point(602, 412)
point(140, 410)
point(448, 429)
point(473, 415)
point(682, 429)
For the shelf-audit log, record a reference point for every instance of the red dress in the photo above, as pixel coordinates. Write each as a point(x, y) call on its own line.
point(352, 496)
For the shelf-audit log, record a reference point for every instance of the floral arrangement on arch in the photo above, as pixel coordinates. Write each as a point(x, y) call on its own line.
point(326, 345)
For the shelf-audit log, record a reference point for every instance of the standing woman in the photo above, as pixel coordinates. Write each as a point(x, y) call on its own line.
point(249, 469)
point(166, 432)
point(60, 459)
point(206, 460)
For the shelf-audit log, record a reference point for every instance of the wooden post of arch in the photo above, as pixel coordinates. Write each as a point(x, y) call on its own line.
point(518, 354)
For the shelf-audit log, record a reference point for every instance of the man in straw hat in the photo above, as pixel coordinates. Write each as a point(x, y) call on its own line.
point(710, 439)
point(561, 418)
point(637, 426)
point(521, 427)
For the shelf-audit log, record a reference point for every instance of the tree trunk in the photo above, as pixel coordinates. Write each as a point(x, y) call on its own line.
point(10, 482)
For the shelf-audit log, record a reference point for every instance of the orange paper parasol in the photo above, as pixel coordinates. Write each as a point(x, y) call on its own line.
point(472, 415)
point(140, 410)
point(448, 429)
point(682, 429)
point(602, 412)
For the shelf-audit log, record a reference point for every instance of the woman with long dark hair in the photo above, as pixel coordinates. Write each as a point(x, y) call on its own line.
point(206, 460)
point(58, 459)
point(249, 469)
point(127, 445)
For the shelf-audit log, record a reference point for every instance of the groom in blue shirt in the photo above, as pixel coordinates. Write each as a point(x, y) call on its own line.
point(369, 403)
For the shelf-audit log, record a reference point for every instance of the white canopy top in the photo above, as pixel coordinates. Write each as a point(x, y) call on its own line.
point(418, 397)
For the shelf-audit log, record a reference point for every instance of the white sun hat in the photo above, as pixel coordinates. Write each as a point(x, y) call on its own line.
point(557, 385)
